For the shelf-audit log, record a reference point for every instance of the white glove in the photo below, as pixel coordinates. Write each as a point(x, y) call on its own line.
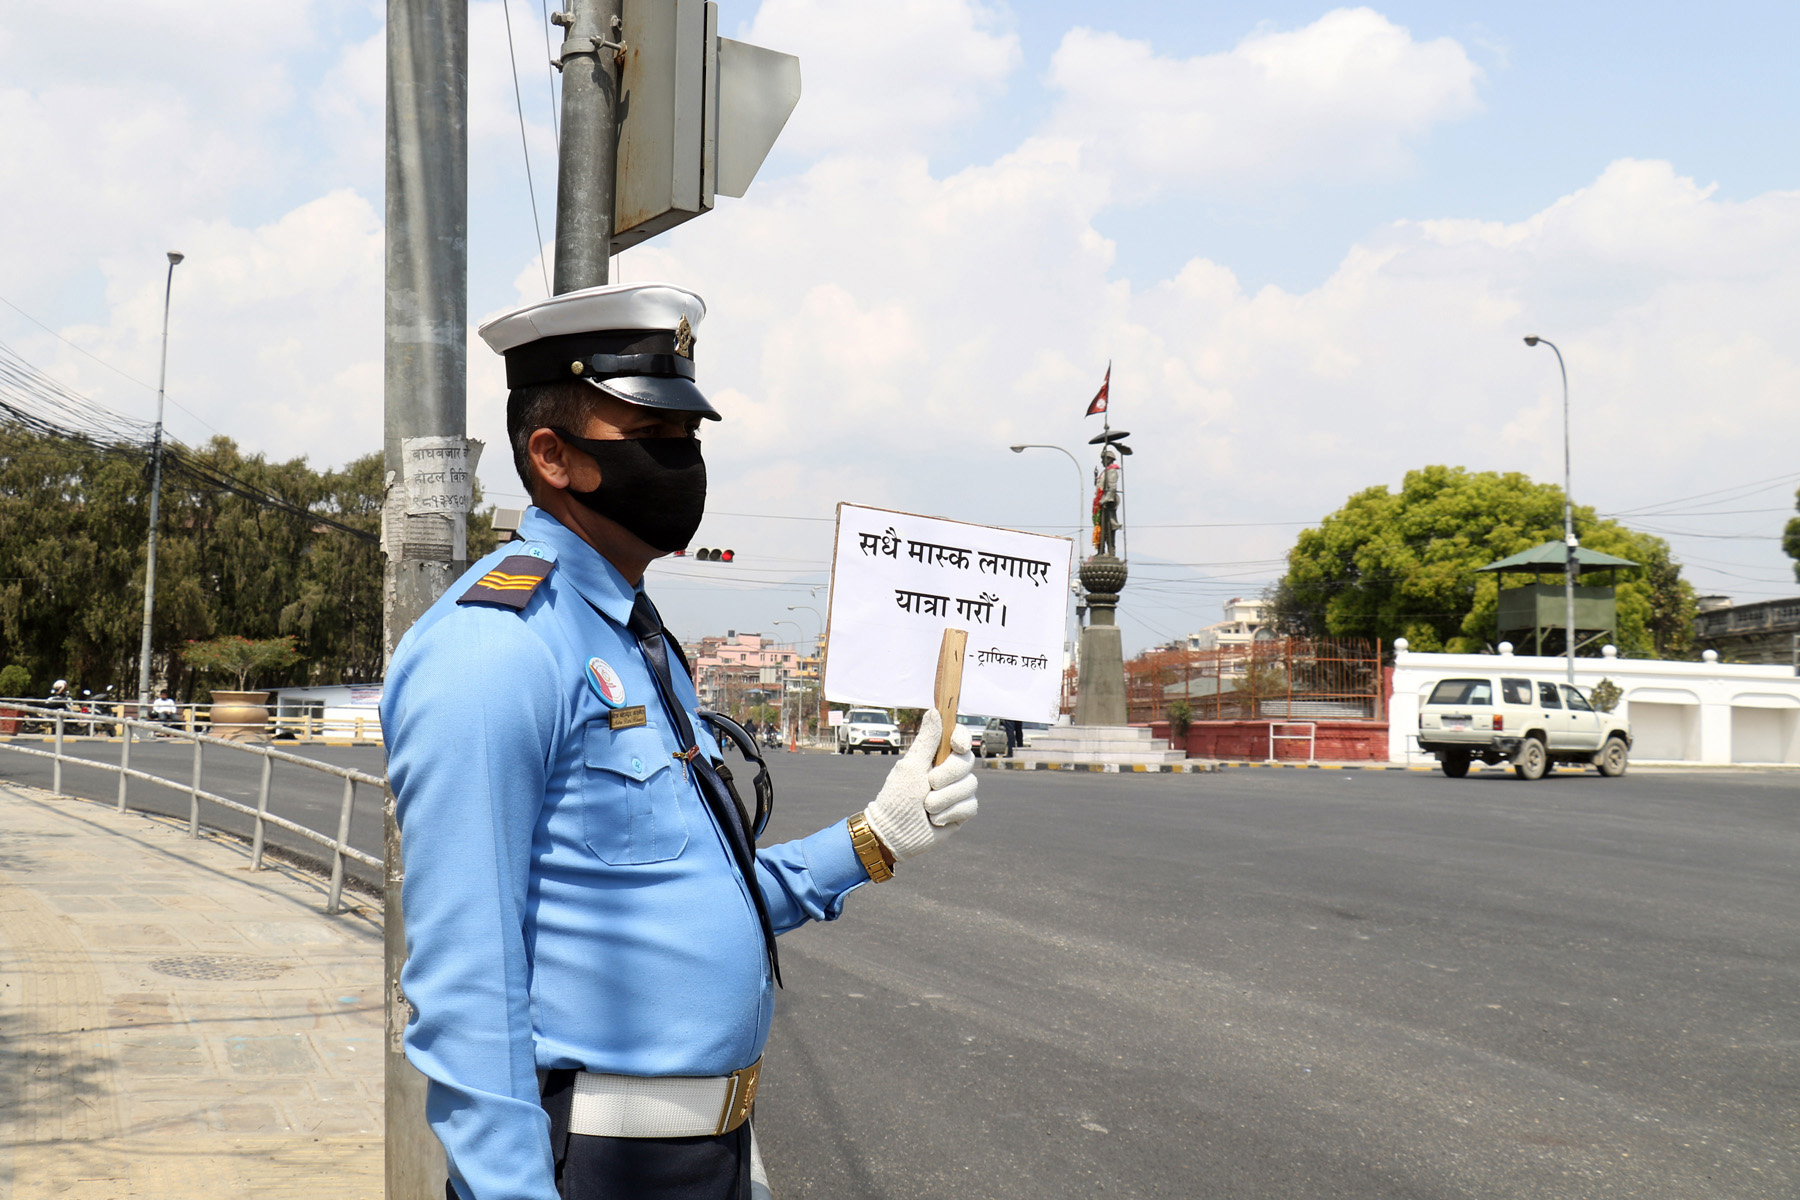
point(920, 805)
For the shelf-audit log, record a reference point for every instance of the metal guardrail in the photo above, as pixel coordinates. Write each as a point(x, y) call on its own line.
point(339, 845)
point(1310, 737)
point(194, 718)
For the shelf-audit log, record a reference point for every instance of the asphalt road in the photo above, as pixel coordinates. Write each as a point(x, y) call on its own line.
point(1281, 984)
point(1293, 984)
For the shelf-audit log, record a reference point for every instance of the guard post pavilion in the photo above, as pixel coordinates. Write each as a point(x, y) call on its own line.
point(1533, 614)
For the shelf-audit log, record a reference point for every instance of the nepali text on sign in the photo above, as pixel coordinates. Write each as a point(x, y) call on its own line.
point(900, 580)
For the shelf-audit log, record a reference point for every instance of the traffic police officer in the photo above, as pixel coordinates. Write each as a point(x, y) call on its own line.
point(590, 930)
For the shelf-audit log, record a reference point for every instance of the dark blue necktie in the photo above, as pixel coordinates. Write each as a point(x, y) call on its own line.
point(647, 627)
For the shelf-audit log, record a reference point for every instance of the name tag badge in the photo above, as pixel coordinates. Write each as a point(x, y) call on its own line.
point(627, 718)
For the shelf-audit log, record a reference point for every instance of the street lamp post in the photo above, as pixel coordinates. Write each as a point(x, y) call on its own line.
point(156, 437)
point(1081, 509)
point(815, 612)
point(817, 638)
point(1080, 483)
point(800, 706)
point(1569, 542)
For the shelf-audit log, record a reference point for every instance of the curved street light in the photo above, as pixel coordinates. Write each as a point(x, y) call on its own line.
point(1080, 483)
point(815, 612)
point(1569, 542)
point(800, 704)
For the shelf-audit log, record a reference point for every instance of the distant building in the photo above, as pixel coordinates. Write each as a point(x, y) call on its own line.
point(1750, 633)
point(1243, 621)
point(727, 669)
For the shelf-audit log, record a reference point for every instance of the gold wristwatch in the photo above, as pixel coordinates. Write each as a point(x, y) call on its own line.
point(868, 849)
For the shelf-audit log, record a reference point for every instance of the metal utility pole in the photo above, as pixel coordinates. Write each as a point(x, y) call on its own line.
point(586, 175)
point(162, 380)
point(1569, 542)
point(424, 394)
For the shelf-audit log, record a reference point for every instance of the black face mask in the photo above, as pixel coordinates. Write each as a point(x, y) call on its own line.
point(654, 487)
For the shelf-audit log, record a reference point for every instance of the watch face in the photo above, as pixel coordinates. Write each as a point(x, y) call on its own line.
point(605, 682)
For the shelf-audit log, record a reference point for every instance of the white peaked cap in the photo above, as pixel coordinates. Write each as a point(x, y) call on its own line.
point(618, 306)
point(633, 341)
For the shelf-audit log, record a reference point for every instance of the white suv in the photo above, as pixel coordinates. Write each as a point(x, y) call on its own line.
point(1531, 723)
point(868, 729)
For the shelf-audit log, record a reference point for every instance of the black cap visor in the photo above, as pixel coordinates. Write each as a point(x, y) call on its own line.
point(671, 392)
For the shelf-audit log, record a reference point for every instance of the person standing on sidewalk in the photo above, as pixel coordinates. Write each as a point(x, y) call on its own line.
point(590, 928)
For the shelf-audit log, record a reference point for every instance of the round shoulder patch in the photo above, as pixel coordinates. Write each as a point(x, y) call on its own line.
point(605, 682)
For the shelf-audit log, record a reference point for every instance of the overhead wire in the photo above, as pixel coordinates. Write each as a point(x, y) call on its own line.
point(512, 60)
point(1746, 489)
point(31, 400)
point(125, 375)
point(550, 74)
point(42, 405)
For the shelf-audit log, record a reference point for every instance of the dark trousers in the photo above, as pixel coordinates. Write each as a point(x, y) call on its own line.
point(607, 1168)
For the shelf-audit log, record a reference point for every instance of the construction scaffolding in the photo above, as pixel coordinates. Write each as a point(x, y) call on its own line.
point(1271, 678)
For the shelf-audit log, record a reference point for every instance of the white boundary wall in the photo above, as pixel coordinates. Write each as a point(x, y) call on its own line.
point(1705, 712)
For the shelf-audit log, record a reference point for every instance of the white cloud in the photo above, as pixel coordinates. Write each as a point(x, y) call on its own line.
point(880, 335)
point(888, 76)
point(1340, 98)
point(276, 337)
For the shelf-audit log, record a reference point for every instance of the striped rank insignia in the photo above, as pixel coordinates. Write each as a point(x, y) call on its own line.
point(510, 583)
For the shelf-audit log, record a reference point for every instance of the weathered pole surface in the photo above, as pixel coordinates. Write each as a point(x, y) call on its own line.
point(424, 384)
point(156, 453)
point(586, 167)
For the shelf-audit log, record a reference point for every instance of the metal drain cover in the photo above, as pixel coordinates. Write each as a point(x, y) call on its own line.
point(218, 967)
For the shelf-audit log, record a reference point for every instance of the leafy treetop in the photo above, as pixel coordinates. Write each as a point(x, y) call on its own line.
point(1404, 564)
point(240, 656)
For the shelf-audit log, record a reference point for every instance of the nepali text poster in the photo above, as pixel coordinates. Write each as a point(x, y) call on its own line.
point(899, 580)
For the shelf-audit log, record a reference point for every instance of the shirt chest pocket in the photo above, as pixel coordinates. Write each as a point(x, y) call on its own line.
point(631, 797)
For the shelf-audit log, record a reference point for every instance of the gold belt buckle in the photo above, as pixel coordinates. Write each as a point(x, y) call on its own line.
point(740, 1095)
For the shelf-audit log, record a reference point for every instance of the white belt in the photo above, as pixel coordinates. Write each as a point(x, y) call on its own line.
point(637, 1106)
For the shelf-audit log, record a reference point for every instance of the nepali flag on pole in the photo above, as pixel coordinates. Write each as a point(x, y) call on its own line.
point(1098, 405)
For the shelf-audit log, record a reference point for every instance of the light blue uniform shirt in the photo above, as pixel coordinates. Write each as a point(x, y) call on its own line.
point(569, 900)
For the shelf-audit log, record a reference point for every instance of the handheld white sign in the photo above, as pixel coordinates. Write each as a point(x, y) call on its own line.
point(898, 581)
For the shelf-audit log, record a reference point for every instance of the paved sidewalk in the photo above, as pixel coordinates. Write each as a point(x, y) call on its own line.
point(174, 1026)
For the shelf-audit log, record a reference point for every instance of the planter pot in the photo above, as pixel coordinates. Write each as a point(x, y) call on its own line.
point(240, 716)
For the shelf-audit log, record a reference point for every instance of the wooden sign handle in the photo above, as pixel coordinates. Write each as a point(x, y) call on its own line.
point(948, 692)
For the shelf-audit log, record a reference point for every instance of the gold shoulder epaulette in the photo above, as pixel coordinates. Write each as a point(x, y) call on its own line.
point(509, 583)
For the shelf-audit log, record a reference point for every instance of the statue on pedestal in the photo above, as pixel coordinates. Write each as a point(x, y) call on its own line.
point(1100, 687)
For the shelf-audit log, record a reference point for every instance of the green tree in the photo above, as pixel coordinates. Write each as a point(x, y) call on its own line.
point(1404, 564)
point(72, 533)
point(240, 656)
point(71, 551)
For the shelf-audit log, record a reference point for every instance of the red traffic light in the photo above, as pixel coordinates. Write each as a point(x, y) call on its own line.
point(705, 555)
point(727, 555)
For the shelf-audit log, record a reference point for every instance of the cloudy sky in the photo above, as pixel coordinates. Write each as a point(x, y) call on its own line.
point(1309, 240)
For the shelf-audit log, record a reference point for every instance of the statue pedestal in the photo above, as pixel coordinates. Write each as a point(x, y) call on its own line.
point(1120, 745)
point(1100, 683)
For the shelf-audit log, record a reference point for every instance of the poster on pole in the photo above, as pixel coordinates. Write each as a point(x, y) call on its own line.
point(899, 580)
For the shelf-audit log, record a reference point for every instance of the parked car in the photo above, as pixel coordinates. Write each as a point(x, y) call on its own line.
point(871, 730)
point(977, 728)
point(993, 736)
point(1529, 723)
